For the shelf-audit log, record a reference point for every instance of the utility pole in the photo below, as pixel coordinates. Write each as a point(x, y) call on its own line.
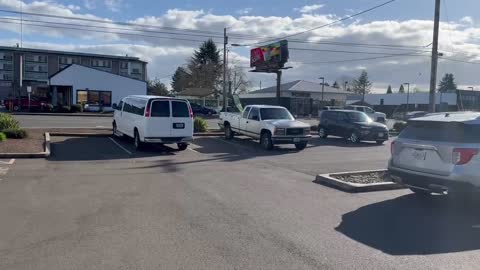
point(346, 85)
point(408, 95)
point(225, 42)
point(323, 86)
point(279, 81)
point(433, 74)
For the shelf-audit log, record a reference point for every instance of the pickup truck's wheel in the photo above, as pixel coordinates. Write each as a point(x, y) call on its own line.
point(354, 138)
point(182, 146)
point(301, 146)
point(228, 132)
point(266, 141)
point(322, 132)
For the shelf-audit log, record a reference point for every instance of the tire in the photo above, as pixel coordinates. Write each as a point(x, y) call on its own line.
point(380, 142)
point(301, 146)
point(266, 141)
point(322, 132)
point(182, 146)
point(353, 137)
point(136, 141)
point(114, 129)
point(228, 132)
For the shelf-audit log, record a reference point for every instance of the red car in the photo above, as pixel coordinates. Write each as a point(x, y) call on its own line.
point(36, 103)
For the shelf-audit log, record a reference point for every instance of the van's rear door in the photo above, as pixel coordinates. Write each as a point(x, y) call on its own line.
point(159, 121)
point(182, 122)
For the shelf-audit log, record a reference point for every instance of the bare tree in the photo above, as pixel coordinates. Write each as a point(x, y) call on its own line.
point(239, 80)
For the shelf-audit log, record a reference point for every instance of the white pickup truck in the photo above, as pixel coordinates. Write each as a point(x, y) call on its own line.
point(375, 116)
point(270, 124)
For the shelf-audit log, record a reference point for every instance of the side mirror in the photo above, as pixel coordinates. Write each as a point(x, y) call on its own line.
point(114, 106)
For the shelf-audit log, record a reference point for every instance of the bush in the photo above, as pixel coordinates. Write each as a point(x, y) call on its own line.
point(15, 133)
point(399, 126)
point(7, 121)
point(200, 125)
point(64, 109)
point(3, 137)
point(48, 108)
point(76, 108)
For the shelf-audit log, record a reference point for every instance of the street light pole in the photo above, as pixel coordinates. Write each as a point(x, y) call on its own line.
point(434, 64)
point(225, 42)
point(323, 86)
point(408, 95)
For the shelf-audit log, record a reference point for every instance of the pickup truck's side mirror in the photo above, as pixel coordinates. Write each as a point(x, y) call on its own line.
point(114, 106)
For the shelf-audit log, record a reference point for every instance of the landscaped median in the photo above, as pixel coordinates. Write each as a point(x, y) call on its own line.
point(358, 181)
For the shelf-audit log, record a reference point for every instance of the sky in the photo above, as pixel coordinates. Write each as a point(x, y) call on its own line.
point(391, 43)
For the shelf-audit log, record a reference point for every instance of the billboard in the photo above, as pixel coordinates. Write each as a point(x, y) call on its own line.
point(271, 56)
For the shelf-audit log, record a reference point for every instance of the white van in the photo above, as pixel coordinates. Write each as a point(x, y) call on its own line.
point(154, 119)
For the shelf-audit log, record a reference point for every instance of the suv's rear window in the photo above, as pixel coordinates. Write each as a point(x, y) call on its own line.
point(160, 108)
point(180, 109)
point(442, 132)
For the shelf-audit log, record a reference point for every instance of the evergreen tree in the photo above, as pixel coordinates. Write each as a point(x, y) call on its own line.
point(389, 89)
point(205, 67)
point(180, 80)
point(335, 85)
point(447, 83)
point(362, 85)
point(401, 90)
point(156, 88)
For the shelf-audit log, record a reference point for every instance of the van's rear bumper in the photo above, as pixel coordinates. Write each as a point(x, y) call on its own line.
point(168, 139)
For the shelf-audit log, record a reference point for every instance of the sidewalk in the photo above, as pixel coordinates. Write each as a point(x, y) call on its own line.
point(84, 114)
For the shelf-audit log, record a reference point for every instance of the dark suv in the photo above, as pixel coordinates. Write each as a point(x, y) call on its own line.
point(354, 126)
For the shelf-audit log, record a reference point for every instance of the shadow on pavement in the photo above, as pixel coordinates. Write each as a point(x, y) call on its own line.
point(340, 142)
point(100, 148)
point(409, 225)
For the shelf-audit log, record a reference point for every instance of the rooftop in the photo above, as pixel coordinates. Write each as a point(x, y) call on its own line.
point(300, 86)
point(32, 50)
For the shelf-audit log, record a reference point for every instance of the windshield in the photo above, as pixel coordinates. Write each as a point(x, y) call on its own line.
point(358, 117)
point(275, 114)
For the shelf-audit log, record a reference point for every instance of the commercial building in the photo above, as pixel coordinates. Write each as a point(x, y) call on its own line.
point(22, 67)
point(300, 97)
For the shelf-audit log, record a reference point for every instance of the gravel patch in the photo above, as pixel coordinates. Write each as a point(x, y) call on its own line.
point(363, 178)
point(32, 144)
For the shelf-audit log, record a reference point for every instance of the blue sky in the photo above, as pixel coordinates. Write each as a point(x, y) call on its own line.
point(403, 22)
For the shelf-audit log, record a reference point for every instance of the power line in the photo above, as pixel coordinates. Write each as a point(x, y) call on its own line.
point(362, 59)
point(342, 51)
point(328, 24)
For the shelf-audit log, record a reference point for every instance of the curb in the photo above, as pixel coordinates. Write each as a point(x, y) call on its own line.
point(65, 114)
point(74, 134)
point(208, 134)
point(44, 154)
point(328, 180)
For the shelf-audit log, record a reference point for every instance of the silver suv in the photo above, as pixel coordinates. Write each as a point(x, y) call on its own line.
point(438, 153)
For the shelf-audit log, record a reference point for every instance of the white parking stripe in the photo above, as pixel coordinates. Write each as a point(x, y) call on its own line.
point(10, 162)
point(193, 150)
point(119, 145)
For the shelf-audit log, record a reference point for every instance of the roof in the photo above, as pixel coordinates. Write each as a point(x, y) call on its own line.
point(401, 98)
point(99, 70)
point(301, 86)
point(463, 117)
point(32, 50)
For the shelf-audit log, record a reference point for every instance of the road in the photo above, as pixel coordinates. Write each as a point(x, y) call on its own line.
point(220, 205)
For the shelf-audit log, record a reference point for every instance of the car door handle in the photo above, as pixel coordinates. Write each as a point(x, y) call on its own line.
point(247, 122)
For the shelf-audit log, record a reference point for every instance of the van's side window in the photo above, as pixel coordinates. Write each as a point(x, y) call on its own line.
point(180, 109)
point(127, 107)
point(120, 105)
point(160, 108)
point(138, 107)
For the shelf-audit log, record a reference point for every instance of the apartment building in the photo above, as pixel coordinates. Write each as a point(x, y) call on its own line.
point(34, 67)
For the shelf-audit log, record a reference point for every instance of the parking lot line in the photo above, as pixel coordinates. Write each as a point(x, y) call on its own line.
point(119, 145)
point(193, 150)
point(10, 162)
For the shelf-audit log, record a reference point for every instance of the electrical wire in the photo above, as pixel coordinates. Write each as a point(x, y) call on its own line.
point(342, 51)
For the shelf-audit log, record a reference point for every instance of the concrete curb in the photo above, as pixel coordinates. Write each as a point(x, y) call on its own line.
point(65, 114)
point(44, 154)
point(208, 134)
point(78, 134)
point(330, 181)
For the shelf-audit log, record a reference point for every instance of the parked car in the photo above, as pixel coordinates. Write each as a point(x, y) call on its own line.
point(271, 124)
point(329, 108)
point(376, 116)
point(36, 103)
point(199, 109)
point(154, 119)
point(414, 114)
point(354, 126)
point(438, 153)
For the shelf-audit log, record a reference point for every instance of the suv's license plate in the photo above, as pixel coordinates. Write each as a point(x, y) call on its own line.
point(419, 154)
point(179, 125)
point(381, 135)
point(296, 140)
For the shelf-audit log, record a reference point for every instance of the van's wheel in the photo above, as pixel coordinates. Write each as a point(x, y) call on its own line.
point(353, 138)
point(301, 146)
point(322, 132)
point(114, 129)
point(266, 141)
point(136, 141)
point(229, 132)
point(182, 146)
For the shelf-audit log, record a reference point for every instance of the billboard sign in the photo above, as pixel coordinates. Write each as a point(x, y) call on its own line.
point(271, 56)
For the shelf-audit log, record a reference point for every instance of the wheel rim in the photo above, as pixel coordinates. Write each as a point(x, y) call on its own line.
point(353, 137)
point(321, 132)
point(265, 141)
point(227, 131)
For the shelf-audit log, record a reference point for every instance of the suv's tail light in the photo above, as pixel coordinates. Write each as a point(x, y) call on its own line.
point(461, 156)
point(147, 110)
point(392, 148)
point(190, 111)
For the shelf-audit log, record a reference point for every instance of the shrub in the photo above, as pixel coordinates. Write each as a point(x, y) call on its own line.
point(3, 137)
point(15, 133)
point(64, 109)
point(7, 121)
point(399, 126)
point(76, 108)
point(200, 125)
point(48, 108)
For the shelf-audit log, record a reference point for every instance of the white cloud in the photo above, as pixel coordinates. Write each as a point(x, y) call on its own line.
point(244, 11)
point(74, 7)
point(467, 20)
point(89, 4)
point(114, 5)
point(310, 8)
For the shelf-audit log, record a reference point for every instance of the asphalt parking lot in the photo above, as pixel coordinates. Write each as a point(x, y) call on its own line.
point(97, 203)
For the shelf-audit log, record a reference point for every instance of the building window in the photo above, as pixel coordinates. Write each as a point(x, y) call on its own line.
point(36, 58)
point(6, 76)
point(6, 66)
point(101, 63)
point(123, 65)
point(94, 97)
point(5, 56)
point(64, 61)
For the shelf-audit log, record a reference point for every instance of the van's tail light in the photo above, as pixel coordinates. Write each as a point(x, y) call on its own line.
point(190, 111)
point(392, 148)
point(462, 156)
point(147, 110)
